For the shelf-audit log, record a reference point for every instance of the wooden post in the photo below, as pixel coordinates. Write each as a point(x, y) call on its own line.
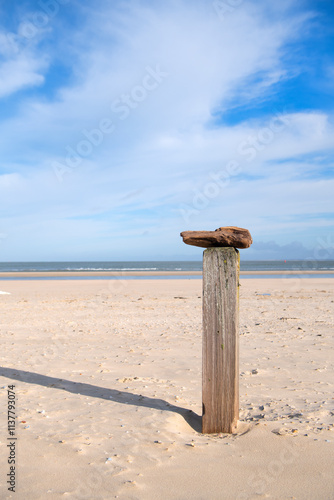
point(220, 382)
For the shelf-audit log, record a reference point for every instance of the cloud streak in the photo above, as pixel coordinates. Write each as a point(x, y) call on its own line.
point(115, 149)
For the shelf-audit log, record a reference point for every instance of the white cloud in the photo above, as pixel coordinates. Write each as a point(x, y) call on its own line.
point(20, 66)
point(18, 74)
point(136, 180)
point(207, 62)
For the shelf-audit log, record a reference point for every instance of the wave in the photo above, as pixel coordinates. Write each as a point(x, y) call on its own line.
point(111, 269)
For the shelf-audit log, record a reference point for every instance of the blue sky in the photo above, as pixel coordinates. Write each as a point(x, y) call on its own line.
point(124, 123)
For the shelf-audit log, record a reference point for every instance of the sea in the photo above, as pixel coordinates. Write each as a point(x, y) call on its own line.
point(161, 266)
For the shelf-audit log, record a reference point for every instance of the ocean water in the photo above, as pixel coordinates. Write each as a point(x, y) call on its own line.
point(160, 266)
point(250, 265)
point(99, 266)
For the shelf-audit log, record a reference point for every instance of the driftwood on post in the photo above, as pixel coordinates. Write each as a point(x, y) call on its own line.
point(230, 236)
point(220, 376)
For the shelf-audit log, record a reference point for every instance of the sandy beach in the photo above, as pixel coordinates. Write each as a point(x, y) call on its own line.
point(107, 377)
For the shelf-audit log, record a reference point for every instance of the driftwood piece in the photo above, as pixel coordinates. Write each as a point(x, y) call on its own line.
point(229, 236)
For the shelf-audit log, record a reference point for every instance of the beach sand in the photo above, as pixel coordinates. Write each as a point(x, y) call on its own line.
point(107, 378)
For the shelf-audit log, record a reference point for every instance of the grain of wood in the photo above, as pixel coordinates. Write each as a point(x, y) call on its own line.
point(220, 383)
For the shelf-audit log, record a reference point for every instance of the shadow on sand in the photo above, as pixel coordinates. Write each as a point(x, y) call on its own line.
point(112, 395)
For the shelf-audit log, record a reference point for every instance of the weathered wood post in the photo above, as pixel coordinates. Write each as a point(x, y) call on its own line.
point(220, 375)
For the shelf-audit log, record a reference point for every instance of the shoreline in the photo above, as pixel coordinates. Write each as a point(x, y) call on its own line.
point(60, 274)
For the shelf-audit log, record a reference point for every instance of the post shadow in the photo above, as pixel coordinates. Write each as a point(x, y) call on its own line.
point(112, 395)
